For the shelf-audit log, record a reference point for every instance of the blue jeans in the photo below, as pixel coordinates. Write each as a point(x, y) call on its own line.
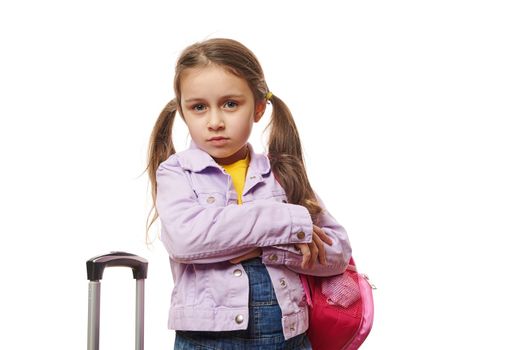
point(264, 326)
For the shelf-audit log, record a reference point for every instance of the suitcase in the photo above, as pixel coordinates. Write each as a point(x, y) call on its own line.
point(95, 268)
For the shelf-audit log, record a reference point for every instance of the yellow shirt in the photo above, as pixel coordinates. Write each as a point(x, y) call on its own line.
point(238, 173)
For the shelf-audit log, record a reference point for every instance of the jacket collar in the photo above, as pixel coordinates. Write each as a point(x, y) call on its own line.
point(197, 160)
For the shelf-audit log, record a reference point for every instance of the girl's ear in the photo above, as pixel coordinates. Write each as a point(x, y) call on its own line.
point(260, 110)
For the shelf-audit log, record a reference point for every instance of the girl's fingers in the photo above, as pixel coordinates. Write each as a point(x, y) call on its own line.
point(314, 253)
point(322, 257)
point(305, 252)
point(323, 236)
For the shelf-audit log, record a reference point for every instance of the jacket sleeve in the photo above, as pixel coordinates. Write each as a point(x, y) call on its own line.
point(195, 233)
point(338, 255)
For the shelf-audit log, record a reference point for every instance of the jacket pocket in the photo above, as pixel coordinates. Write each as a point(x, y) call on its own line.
point(211, 199)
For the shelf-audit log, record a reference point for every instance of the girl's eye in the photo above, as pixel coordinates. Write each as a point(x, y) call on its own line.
point(199, 107)
point(230, 104)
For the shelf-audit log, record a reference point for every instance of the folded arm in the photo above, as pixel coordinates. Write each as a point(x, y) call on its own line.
point(193, 232)
point(337, 255)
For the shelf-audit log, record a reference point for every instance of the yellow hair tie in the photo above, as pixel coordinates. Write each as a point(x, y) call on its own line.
point(268, 95)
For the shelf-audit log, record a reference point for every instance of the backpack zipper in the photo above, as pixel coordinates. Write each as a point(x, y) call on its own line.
point(368, 281)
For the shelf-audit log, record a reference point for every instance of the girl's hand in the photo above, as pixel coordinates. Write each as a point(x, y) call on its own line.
point(252, 254)
point(315, 250)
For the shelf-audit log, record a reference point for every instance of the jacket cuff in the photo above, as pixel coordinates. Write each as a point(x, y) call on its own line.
point(301, 224)
point(273, 256)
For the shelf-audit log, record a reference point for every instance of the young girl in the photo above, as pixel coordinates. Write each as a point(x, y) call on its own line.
point(239, 227)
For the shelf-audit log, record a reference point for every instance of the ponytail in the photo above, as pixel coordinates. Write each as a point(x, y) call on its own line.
point(286, 158)
point(160, 148)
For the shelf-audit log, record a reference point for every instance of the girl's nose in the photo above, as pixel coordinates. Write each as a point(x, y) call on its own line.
point(215, 122)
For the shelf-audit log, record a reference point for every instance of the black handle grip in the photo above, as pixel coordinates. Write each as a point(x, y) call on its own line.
point(97, 264)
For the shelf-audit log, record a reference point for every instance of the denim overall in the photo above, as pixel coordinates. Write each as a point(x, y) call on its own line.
point(264, 327)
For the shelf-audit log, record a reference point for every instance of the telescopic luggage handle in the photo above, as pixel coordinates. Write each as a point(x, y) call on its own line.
point(96, 265)
point(95, 268)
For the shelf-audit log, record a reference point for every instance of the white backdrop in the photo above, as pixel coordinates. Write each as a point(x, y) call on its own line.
point(412, 117)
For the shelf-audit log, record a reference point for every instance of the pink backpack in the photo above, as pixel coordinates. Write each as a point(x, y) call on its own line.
point(340, 309)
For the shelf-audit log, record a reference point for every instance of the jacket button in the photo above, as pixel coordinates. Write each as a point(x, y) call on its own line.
point(273, 257)
point(239, 319)
point(237, 272)
point(282, 283)
point(301, 235)
point(210, 200)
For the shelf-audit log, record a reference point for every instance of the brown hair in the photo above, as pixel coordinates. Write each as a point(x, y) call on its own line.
point(284, 146)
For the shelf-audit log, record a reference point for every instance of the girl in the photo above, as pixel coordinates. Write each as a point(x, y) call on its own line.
point(238, 226)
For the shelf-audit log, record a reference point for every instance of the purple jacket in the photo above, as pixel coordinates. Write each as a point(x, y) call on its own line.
point(203, 227)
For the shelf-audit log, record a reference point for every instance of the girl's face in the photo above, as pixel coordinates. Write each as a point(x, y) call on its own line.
point(219, 110)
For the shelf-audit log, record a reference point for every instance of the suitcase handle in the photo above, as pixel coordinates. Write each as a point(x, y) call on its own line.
point(96, 265)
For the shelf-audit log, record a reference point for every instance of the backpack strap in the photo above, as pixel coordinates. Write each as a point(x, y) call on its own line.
point(306, 288)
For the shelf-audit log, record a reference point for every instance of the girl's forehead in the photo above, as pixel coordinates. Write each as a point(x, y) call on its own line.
point(206, 71)
point(198, 80)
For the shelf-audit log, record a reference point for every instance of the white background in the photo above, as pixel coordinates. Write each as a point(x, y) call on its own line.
point(412, 117)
